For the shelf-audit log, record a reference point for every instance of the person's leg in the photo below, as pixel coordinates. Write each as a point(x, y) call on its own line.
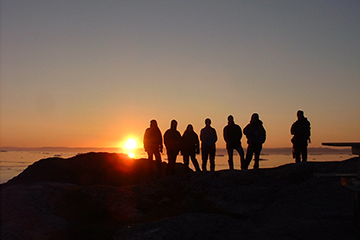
point(150, 155)
point(240, 150)
point(186, 160)
point(204, 156)
point(230, 152)
point(195, 162)
point(304, 152)
point(304, 155)
point(172, 161)
point(167, 171)
point(297, 153)
point(158, 163)
point(150, 160)
point(249, 155)
point(257, 156)
point(212, 159)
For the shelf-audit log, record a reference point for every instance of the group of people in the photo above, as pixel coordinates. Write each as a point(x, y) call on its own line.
point(189, 144)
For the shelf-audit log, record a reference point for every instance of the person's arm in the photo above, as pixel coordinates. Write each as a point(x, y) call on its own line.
point(197, 144)
point(225, 134)
point(145, 140)
point(215, 136)
point(160, 142)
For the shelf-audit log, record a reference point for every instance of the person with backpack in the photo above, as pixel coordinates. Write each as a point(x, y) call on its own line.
point(153, 145)
point(256, 135)
point(301, 131)
point(172, 141)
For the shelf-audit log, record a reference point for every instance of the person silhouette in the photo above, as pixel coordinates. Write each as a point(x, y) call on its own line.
point(190, 147)
point(172, 140)
point(301, 131)
point(153, 145)
point(256, 136)
point(232, 136)
point(208, 139)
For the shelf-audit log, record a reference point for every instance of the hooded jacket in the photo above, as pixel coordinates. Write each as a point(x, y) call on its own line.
point(153, 139)
point(255, 132)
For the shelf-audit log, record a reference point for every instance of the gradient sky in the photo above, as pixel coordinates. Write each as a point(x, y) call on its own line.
point(90, 73)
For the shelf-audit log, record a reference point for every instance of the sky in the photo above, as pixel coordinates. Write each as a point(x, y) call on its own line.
point(88, 73)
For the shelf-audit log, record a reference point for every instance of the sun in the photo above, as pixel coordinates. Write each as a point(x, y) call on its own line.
point(130, 144)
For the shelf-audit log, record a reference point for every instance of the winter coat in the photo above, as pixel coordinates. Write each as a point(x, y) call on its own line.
point(232, 136)
point(208, 137)
point(190, 142)
point(301, 130)
point(255, 133)
point(172, 140)
point(153, 140)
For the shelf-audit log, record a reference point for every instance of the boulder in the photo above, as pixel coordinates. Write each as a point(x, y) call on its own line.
point(91, 168)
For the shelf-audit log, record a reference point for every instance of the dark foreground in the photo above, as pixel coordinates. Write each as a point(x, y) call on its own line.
point(106, 196)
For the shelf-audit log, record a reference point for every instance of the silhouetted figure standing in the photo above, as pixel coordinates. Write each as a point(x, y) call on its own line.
point(153, 145)
point(172, 140)
point(232, 137)
point(256, 135)
point(190, 147)
point(301, 131)
point(208, 139)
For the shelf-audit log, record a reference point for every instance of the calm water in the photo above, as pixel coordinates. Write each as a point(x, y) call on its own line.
point(13, 163)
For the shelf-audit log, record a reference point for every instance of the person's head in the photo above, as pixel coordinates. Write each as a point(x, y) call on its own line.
point(254, 117)
point(207, 122)
point(230, 119)
point(153, 123)
point(173, 124)
point(300, 114)
point(190, 128)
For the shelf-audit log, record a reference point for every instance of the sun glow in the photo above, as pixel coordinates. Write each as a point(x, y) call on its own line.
point(130, 145)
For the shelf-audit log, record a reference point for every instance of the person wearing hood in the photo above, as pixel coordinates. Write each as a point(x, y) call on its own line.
point(172, 140)
point(256, 135)
point(153, 145)
point(301, 131)
point(190, 147)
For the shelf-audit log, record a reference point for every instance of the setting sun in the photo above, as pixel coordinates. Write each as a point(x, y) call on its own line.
point(130, 143)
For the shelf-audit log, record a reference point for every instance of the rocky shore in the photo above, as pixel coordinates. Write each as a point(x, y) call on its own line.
point(109, 196)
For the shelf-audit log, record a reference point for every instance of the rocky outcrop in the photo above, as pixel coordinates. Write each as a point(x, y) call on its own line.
point(287, 202)
point(111, 169)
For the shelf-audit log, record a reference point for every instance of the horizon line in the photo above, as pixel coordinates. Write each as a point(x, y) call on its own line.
point(11, 148)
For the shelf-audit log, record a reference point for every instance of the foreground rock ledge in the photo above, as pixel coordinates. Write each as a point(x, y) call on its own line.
point(109, 196)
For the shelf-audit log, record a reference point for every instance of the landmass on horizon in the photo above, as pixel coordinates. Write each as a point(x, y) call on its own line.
point(287, 150)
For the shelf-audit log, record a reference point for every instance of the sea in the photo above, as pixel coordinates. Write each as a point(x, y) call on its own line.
point(15, 160)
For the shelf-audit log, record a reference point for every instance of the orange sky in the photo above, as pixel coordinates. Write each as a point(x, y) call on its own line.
point(91, 74)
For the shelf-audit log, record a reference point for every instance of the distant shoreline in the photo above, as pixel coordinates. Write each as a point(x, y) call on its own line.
point(288, 150)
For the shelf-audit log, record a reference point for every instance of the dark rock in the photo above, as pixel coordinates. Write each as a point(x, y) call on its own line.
point(287, 202)
point(88, 169)
point(188, 226)
point(64, 211)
